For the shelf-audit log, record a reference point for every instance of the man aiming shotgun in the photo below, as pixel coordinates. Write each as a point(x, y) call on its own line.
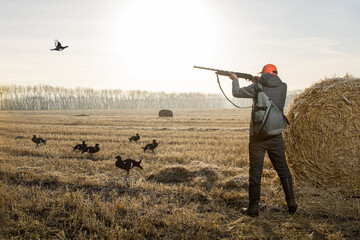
point(268, 93)
point(218, 72)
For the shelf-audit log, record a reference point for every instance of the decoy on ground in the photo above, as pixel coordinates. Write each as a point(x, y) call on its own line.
point(127, 164)
point(151, 146)
point(91, 150)
point(134, 138)
point(80, 146)
point(38, 140)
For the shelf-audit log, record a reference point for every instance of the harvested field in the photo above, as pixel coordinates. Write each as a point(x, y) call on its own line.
point(192, 187)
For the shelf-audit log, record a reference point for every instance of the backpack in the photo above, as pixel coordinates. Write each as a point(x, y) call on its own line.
point(268, 118)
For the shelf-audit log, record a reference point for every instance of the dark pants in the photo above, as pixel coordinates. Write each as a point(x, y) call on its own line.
point(275, 147)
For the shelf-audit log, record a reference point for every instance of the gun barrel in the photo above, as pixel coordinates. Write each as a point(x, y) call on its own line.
point(227, 73)
point(211, 69)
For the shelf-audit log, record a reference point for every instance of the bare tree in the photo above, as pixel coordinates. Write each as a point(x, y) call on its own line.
point(44, 97)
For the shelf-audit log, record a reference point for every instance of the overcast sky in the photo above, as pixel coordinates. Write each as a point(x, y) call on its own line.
point(153, 45)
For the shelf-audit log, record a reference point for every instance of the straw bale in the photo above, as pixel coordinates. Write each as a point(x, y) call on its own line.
point(323, 139)
point(165, 113)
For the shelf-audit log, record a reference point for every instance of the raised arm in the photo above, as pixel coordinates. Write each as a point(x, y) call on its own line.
point(244, 92)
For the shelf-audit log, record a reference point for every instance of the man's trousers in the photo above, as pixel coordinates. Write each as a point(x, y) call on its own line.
point(275, 147)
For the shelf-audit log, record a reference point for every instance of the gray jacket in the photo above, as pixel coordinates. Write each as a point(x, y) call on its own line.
point(274, 88)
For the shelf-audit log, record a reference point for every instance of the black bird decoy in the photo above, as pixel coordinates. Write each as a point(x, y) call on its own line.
point(80, 146)
point(58, 46)
point(38, 140)
point(151, 146)
point(91, 150)
point(134, 138)
point(127, 164)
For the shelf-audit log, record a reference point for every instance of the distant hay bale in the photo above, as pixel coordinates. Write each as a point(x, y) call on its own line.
point(165, 113)
point(323, 139)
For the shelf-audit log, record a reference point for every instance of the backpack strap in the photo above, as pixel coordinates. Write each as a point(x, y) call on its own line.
point(258, 88)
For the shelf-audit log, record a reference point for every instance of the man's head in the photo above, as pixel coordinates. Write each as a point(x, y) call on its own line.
point(269, 68)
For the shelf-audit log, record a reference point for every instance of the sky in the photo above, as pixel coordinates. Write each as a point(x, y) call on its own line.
point(153, 45)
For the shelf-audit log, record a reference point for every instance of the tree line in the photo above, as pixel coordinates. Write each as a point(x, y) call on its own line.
point(45, 97)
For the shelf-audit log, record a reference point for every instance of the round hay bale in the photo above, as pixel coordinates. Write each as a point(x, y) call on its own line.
point(323, 139)
point(165, 113)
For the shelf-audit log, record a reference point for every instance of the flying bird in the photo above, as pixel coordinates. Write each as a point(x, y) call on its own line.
point(58, 46)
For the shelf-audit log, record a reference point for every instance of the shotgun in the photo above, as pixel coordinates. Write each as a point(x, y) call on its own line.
point(218, 72)
point(227, 73)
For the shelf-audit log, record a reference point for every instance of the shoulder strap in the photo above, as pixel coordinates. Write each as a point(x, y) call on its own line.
point(258, 87)
point(217, 76)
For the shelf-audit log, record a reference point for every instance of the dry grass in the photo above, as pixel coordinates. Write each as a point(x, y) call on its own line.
point(192, 188)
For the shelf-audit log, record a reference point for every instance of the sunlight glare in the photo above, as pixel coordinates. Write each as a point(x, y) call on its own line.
point(176, 38)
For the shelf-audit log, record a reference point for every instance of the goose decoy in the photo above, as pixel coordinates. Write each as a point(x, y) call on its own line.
point(151, 146)
point(127, 164)
point(80, 146)
point(58, 46)
point(38, 140)
point(134, 138)
point(92, 150)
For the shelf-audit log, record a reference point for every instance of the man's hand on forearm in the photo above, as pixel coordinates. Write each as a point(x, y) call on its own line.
point(233, 76)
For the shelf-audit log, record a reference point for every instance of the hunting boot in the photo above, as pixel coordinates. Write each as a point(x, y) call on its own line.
point(289, 194)
point(254, 198)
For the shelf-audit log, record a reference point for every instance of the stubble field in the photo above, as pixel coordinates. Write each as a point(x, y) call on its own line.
point(192, 187)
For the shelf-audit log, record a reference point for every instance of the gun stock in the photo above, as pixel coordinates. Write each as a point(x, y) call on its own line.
point(227, 73)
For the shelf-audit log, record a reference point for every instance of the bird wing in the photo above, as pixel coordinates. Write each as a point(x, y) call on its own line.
point(57, 43)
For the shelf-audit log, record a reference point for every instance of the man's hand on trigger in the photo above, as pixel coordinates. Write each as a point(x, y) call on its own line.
point(233, 76)
point(255, 79)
